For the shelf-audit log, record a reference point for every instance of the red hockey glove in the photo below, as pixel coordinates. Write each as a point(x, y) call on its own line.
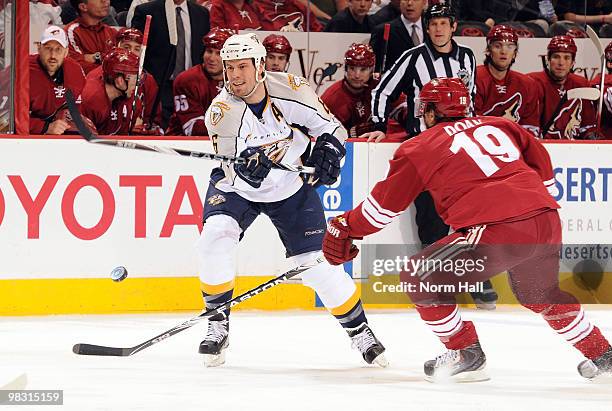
point(338, 247)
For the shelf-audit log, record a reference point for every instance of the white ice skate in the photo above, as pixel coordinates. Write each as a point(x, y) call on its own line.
point(366, 342)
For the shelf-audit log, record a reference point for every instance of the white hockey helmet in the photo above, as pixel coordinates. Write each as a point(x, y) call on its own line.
point(244, 46)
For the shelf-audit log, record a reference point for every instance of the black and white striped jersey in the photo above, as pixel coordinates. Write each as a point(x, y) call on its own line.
point(414, 68)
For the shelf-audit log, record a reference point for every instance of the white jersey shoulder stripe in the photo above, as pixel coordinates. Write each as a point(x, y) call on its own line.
point(72, 39)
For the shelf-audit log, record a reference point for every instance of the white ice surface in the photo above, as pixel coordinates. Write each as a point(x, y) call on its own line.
point(295, 361)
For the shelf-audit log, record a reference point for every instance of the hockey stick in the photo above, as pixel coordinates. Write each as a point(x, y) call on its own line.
point(386, 39)
point(583, 93)
point(597, 43)
point(90, 349)
point(145, 40)
point(17, 384)
point(88, 135)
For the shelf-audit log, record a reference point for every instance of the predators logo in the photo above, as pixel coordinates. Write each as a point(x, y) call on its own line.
point(216, 199)
point(296, 81)
point(277, 150)
point(217, 110)
point(567, 123)
point(508, 109)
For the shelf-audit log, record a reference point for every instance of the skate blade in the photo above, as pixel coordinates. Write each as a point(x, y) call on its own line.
point(464, 377)
point(381, 361)
point(214, 360)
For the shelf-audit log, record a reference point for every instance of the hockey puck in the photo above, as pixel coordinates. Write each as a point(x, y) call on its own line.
point(119, 274)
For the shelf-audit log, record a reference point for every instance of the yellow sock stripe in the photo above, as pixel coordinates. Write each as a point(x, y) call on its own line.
point(347, 305)
point(212, 289)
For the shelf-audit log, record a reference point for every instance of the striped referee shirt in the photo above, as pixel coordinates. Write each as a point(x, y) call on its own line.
point(413, 69)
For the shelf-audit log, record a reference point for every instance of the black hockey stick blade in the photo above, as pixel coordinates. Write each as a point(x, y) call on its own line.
point(91, 349)
point(84, 131)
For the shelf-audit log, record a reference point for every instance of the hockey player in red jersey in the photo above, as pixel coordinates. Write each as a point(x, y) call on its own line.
point(488, 178)
point(107, 99)
point(349, 99)
point(234, 14)
point(286, 15)
point(606, 114)
point(503, 92)
point(278, 52)
point(52, 72)
point(130, 40)
point(195, 89)
point(574, 119)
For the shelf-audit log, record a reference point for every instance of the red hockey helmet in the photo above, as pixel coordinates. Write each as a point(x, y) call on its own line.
point(502, 32)
point(119, 62)
point(576, 33)
point(275, 43)
point(216, 37)
point(129, 34)
point(562, 44)
point(360, 55)
point(609, 52)
point(449, 97)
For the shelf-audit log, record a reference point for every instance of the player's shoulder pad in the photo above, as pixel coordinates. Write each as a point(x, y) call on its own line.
point(224, 115)
point(291, 87)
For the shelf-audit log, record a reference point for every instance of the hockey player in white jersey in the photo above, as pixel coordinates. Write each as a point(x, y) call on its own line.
point(267, 117)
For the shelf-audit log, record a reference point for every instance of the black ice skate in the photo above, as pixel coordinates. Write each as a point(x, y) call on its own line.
point(466, 365)
point(366, 342)
point(597, 368)
point(487, 299)
point(214, 344)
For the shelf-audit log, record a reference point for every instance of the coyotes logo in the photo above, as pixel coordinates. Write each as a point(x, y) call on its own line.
point(567, 122)
point(508, 109)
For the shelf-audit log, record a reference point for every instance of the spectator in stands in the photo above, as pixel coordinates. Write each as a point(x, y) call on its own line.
point(354, 19)
point(490, 12)
point(132, 9)
point(43, 13)
point(52, 72)
point(598, 14)
point(330, 7)
point(386, 13)
point(89, 39)
point(319, 14)
point(286, 15)
point(195, 89)
point(164, 60)
point(541, 12)
point(278, 52)
point(234, 14)
point(69, 13)
point(406, 32)
point(574, 118)
point(503, 92)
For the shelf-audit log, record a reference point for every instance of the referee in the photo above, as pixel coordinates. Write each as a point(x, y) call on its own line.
point(438, 56)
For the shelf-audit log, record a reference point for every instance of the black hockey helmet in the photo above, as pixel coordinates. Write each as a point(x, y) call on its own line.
point(438, 10)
